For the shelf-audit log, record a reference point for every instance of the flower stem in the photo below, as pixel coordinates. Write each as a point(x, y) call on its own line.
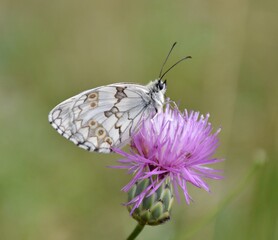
point(136, 231)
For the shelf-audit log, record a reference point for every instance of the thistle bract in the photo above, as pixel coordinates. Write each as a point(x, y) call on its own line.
point(154, 209)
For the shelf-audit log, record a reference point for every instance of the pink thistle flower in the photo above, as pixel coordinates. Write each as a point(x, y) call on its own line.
point(174, 145)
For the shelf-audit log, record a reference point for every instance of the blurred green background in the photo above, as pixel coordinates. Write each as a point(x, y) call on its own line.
point(52, 50)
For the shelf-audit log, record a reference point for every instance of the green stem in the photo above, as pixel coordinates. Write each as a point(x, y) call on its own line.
point(136, 231)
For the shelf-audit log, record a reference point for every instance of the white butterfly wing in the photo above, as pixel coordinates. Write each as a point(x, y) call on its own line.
point(102, 118)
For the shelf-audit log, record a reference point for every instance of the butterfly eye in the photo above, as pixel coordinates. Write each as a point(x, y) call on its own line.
point(161, 85)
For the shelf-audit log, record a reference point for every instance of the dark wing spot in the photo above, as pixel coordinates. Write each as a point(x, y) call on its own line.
point(120, 94)
point(108, 114)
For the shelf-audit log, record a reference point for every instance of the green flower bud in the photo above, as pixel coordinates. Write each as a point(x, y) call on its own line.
point(156, 208)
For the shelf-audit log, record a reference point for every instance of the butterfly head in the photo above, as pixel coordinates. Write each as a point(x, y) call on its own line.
point(158, 86)
point(161, 85)
point(157, 89)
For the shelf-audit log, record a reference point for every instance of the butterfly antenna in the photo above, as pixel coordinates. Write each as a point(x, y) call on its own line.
point(166, 59)
point(187, 57)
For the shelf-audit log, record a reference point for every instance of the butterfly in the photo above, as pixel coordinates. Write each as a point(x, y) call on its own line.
point(105, 117)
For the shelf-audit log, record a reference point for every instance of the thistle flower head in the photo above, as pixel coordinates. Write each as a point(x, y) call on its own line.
point(173, 145)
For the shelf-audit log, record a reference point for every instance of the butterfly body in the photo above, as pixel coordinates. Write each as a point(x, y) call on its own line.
point(105, 117)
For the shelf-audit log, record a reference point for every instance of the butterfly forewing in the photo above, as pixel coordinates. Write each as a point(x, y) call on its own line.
point(103, 118)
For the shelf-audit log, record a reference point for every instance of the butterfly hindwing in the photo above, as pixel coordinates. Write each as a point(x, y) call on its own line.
point(102, 118)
